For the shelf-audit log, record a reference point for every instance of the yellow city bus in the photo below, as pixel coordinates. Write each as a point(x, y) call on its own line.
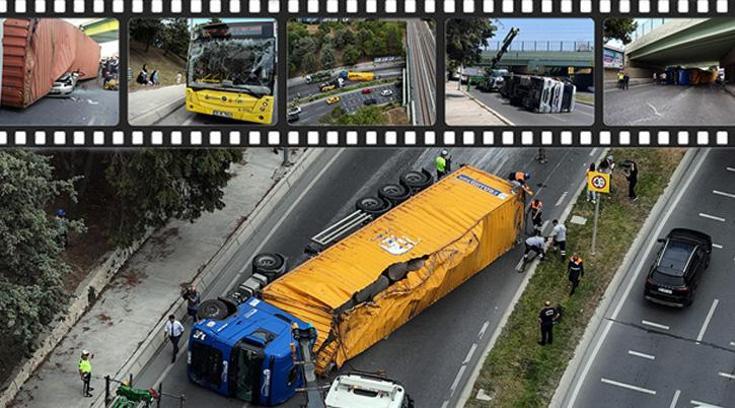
point(230, 71)
point(361, 76)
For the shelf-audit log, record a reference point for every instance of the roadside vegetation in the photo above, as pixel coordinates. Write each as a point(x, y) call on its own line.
point(519, 372)
point(110, 199)
point(388, 114)
point(328, 44)
point(160, 44)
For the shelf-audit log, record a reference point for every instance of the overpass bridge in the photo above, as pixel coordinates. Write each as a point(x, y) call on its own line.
point(693, 42)
point(530, 56)
point(102, 30)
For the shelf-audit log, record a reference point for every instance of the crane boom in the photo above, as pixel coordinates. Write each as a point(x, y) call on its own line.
point(504, 46)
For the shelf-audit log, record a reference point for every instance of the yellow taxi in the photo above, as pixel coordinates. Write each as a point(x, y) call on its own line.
point(332, 100)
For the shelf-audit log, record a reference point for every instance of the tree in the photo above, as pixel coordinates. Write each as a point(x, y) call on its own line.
point(326, 57)
point(339, 38)
point(145, 30)
point(465, 40)
point(367, 115)
point(303, 48)
point(363, 36)
point(175, 37)
point(214, 20)
point(351, 55)
point(310, 63)
point(348, 37)
point(152, 186)
point(32, 272)
point(393, 40)
point(619, 29)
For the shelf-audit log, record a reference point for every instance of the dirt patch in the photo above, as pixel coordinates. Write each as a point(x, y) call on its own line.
point(130, 278)
point(397, 116)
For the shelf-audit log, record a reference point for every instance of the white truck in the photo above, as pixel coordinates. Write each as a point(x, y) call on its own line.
point(359, 390)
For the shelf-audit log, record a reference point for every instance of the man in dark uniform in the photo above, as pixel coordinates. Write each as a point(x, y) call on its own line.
point(546, 318)
point(537, 209)
point(576, 272)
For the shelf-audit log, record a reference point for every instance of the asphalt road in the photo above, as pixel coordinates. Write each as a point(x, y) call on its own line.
point(427, 353)
point(350, 102)
point(89, 105)
point(654, 356)
point(422, 49)
point(582, 115)
point(669, 105)
point(304, 90)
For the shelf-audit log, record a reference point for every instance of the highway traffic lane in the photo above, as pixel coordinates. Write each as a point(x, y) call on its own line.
point(669, 105)
point(582, 115)
point(305, 90)
point(89, 105)
point(422, 47)
point(350, 102)
point(359, 172)
point(671, 335)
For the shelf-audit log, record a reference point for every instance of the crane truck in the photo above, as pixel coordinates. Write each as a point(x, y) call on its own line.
point(368, 274)
point(495, 77)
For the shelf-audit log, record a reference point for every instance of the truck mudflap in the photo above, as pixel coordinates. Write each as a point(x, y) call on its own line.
point(360, 290)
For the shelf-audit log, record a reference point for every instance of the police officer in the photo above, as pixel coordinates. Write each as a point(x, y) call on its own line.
point(537, 209)
point(85, 372)
point(576, 272)
point(443, 164)
point(546, 318)
point(559, 238)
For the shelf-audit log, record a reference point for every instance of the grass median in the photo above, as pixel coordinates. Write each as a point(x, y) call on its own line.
point(520, 373)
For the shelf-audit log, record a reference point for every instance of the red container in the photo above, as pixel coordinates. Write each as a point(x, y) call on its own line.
point(37, 51)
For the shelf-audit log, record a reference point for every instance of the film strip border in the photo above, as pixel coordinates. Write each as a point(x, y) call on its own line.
point(375, 8)
point(85, 138)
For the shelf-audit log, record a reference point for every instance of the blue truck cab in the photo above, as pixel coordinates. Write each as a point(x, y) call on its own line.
point(248, 355)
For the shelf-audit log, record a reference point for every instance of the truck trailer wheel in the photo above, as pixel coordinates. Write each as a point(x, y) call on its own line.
point(416, 181)
point(394, 193)
point(271, 265)
point(213, 309)
point(373, 205)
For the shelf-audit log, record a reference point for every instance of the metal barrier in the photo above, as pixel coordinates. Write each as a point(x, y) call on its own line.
point(545, 46)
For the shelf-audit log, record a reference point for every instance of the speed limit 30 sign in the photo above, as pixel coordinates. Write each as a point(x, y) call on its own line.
point(598, 182)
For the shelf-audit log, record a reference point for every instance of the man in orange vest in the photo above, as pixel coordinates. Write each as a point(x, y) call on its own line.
point(520, 179)
point(576, 272)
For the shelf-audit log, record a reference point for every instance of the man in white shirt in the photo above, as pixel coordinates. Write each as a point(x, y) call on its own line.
point(173, 329)
point(536, 244)
point(559, 238)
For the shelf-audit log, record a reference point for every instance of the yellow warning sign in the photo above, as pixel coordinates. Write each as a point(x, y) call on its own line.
point(598, 182)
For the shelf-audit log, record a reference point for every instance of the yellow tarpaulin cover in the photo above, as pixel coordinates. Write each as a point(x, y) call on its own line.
point(462, 223)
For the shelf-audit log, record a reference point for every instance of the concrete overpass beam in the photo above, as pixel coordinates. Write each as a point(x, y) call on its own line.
point(728, 62)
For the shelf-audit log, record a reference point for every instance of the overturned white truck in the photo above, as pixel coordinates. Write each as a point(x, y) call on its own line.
point(538, 93)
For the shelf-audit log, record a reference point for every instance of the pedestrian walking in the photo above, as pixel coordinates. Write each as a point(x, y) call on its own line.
point(537, 210)
point(559, 238)
point(655, 78)
point(626, 81)
point(443, 164)
point(541, 156)
point(174, 330)
point(575, 269)
point(632, 175)
point(179, 78)
point(591, 195)
point(621, 79)
point(85, 372)
point(191, 295)
point(546, 318)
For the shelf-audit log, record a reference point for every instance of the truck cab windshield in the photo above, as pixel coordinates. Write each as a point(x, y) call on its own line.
point(206, 364)
point(220, 60)
point(247, 362)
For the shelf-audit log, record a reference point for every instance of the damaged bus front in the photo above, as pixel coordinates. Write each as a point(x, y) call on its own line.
point(231, 71)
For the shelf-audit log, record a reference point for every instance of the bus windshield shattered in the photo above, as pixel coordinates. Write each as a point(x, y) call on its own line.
point(238, 56)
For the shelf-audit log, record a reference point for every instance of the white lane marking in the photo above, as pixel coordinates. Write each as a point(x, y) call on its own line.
point(732, 169)
point(707, 320)
point(701, 404)
point(631, 282)
point(561, 199)
point(675, 399)
point(655, 111)
point(718, 246)
point(468, 357)
point(712, 217)
point(628, 386)
point(445, 404)
point(483, 329)
point(656, 325)
point(456, 379)
point(543, 226)
point(639, 354)
point(592, 153)
point(273, 230)
point(724, 194)
point(726, 375)
point(732, 343)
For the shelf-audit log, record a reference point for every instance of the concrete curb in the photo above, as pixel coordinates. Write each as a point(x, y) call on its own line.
point(154, 340)
point(470, 385)
point(151, 117)
point(489, 109)
point(597, 318)
point(85, 295)
point(730, 89)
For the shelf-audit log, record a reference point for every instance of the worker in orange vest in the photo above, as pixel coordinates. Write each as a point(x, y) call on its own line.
point(520, 179)
point(576, 272)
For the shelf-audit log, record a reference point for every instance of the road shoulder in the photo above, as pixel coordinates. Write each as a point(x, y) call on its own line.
point(464, 109)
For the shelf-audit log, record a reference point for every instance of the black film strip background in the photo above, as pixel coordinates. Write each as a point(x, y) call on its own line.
point(124, 135)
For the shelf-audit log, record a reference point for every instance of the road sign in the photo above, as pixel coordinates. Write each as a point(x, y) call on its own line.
point(598, 182)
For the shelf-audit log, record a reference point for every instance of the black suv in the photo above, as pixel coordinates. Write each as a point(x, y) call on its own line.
point(678, 267)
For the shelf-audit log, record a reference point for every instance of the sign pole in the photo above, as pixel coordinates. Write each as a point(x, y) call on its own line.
point(594, 226)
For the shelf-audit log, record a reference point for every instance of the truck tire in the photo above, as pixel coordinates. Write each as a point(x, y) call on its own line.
point(395, 193)
point(213, 309)
point(270, 265)
point(416, 181)
point(373, 205)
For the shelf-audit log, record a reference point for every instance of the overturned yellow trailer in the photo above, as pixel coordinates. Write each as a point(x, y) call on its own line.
point(369, 284)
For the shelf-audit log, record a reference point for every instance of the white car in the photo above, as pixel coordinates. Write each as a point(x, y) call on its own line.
point(386, 92)
point(65, 85)
point(295, 110)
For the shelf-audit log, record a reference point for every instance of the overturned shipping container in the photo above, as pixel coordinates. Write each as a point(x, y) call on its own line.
point(37, 51)
point(368, 285)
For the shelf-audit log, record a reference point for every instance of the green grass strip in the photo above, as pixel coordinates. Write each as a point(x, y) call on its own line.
point(520, 373)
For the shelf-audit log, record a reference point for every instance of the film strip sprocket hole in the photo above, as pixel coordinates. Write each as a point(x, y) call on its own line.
point(440, 11)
